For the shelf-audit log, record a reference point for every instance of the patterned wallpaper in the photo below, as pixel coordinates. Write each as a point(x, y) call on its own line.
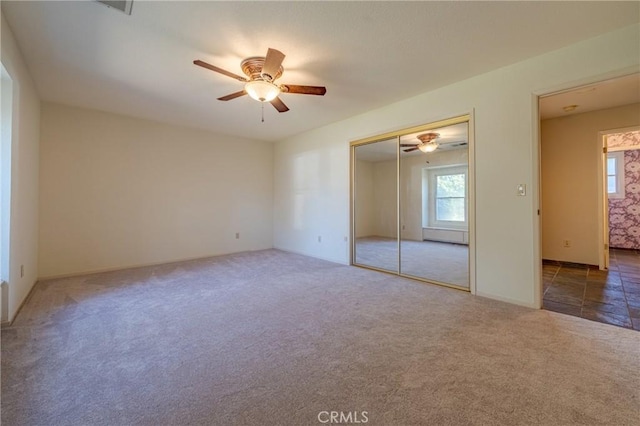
point(624, 139)
point(624, 213)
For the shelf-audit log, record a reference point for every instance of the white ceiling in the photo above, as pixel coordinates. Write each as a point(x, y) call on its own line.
point(367, 54)
point(605, 94)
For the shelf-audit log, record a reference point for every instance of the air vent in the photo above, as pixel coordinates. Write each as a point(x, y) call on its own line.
point(121, 5)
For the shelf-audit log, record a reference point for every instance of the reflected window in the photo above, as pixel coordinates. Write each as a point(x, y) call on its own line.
point(450, 199)
point(446, 196)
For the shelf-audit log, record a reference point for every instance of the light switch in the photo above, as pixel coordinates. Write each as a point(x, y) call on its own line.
point(522, 189)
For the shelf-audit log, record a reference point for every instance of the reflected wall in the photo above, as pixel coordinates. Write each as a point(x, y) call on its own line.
point(375, 205)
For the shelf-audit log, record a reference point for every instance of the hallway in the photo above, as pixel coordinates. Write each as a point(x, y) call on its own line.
point(611, 297)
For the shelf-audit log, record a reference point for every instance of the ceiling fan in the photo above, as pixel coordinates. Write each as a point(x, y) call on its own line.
point(427, 143)
point(260, 81)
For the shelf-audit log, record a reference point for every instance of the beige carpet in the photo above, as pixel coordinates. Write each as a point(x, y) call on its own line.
point(271, 338)
point(432, 260)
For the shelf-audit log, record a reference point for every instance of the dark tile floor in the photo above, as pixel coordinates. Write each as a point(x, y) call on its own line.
point(612, 296)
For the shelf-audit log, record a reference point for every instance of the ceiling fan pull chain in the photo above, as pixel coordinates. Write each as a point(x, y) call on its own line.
point(262, 103)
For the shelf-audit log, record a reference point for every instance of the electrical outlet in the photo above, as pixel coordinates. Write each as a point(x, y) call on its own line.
point(566, 243)
point(237, 235)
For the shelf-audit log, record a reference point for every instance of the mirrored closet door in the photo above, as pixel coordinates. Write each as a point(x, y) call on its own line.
point(411, 199)
point(375, 189)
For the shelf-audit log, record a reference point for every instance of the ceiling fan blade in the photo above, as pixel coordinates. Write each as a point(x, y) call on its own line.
point(279, 105)
point(272, 63)
point(304, 90)
point(232, 96)
point(408, 144)
point(220, 70)
point(410, 149)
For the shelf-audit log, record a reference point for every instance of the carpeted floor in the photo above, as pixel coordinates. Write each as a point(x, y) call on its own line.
point(273, 338)
point(432, 260)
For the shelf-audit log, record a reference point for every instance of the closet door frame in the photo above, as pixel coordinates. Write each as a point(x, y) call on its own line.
point(463, 118)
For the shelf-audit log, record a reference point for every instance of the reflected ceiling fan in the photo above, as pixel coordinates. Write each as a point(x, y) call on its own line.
point(427, 143)
point(260, 81)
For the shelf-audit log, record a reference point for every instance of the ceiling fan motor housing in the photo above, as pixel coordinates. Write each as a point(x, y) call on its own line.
point(262, 72)
point(428, 137)
point(252, 67)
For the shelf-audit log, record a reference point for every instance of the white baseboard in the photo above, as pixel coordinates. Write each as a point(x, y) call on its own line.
point(507, 300)
point(141, 265)
point(9, 321)
point(341, 262)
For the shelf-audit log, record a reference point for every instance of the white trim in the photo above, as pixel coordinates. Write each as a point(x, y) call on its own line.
point(471, 175)
point(603, 204)
point(536, 201)
point(587, 81)
point(313, 255)
point(7, 153)
point(144, 265)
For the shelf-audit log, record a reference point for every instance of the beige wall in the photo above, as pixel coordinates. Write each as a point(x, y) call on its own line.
point(118, 191)
point(570, 153)
point(376, 201)
point(385, 199)
point(505, 129)
point(24, 178)
point(364, 207)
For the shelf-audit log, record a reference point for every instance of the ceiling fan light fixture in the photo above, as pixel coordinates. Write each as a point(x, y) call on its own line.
point(261, 73)
point(262, 91)
point(428, 147)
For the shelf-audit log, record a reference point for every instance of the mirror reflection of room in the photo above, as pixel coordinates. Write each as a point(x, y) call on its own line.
point(434, 200)
point(375, 205)
point(411, 204)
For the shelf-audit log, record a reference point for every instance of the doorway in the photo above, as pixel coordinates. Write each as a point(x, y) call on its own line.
point(575, 181)
point(619, 195)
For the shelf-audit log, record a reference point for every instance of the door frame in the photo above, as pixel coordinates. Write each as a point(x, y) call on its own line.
point(538, 207)
point(603, 199)
point(454, 119)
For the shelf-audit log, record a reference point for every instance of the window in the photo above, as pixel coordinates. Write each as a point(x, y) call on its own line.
point(449, 197)
point(445, 198)
point(615, 174)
